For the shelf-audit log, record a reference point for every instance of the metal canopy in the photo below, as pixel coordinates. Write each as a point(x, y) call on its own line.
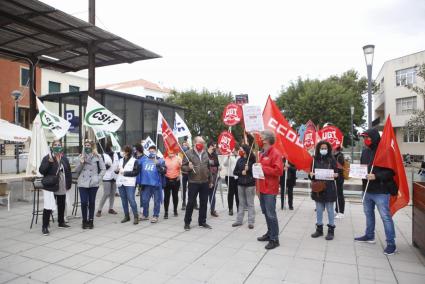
point(33, 30)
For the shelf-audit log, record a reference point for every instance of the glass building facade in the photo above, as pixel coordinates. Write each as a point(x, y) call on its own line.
point(139, 116)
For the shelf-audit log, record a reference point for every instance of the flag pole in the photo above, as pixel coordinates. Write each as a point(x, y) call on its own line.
point(286, 179)
point(367, 185)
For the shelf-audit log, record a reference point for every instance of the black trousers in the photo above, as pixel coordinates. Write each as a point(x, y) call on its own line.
point(60, 201)
point(290, 196)
point(232, 193)
point(340, 206)
point(171, 188)
point(195, 189)
point(185, 179)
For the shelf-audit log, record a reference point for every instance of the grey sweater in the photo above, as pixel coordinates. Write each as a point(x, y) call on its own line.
point(88, 175)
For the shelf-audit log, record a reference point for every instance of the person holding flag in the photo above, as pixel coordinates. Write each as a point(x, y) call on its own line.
point(173, 164)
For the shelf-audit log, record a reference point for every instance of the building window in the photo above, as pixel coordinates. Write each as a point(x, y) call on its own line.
point(25, 77)
point(406, 105)
point(54, 87)
point(74, 88)
point(411, 136)
point(405, 77)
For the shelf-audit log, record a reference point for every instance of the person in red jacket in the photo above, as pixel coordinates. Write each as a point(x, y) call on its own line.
point(272, 165)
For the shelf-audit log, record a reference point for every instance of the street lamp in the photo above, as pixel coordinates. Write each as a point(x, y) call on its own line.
point(352, 134)
point(368, 55)
point(17, 96)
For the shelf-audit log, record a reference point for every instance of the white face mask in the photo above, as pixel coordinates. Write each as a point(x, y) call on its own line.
point(323, 152)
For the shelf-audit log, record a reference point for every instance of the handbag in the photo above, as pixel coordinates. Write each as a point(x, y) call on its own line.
point(51, 183)
point(318, 186)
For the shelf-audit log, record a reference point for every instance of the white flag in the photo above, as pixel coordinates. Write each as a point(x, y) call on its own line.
point(114, 141)
point(100, 134)
point(146, 144)
point(159, 123)
point(180, 128)
point(99, 117)
point(49, 120)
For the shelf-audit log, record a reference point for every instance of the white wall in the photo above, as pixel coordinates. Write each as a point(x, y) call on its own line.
point(65, 79)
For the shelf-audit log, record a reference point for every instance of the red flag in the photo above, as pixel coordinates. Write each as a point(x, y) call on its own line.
point(170, 141)
point(287, 140)
point(388, 156)
point(232, 114)
point(310, 135)
point(333, 135)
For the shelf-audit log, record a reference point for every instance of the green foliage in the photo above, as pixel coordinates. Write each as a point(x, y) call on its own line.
point(417, 122)
point(325, 101)
point(203, 112)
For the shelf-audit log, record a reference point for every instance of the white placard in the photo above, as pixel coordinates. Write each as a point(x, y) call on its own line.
point(358, 171)
point(257, 171)
point(253, 118)
point(324, 174)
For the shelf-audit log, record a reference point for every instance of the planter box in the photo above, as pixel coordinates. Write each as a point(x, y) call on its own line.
point(3, 188)
point(418, 222)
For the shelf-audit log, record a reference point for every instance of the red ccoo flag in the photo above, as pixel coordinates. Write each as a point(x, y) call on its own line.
point(170, 141)
point(287, 140)
point(388, 156)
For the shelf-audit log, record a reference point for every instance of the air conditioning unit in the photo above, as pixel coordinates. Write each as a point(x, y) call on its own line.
point(160, 99)
point(150, 97)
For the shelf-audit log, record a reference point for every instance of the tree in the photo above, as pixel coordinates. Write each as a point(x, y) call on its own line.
point(203, 112)
point(416, 123)
point(325, 101)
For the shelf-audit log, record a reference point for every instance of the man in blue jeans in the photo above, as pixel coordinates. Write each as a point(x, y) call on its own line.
point(376, 194)
point(151, 177)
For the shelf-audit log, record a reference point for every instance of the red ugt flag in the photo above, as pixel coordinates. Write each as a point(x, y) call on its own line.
point(287, 140)
point(170, 141)
point(388, 156)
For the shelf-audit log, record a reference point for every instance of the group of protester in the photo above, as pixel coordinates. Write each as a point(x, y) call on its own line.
point(198, 168)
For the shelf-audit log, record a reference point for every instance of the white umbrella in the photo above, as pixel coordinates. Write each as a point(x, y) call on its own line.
point(13, 132)
point(38, 148)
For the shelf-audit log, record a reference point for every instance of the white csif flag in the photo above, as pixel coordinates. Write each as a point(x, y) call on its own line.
point(51, 121)
point(159, 123)
point(180, 128)
point(100, 118)
point(146, 144)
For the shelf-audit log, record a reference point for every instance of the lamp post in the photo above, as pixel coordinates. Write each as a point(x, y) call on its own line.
point(352, 134)
point(368, 55)
point(17, 96)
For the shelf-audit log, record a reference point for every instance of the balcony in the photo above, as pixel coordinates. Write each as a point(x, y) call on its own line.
point(379, 101)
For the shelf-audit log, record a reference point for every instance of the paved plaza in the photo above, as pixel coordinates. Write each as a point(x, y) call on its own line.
point(164, 253)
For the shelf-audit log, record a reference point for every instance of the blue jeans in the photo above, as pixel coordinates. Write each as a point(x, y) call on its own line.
point(320, 208)
point(88, 201)
point(382, 201)
point(268, 207)
point(127, 194)
point(147, 193)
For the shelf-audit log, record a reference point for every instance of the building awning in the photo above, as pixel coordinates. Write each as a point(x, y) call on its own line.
point(33, 30)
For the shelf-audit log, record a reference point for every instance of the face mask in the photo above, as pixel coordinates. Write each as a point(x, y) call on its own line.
point(87, 150)
point(152, 155)
point(260, 143)
point(241, 153)
point(199, 147)
point(323, 152)
point(368, 142)
point(57, 149)
point(185, 148)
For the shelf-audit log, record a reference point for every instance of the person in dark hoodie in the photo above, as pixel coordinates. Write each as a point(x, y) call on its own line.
point(376, 193)
point(339, 157)
point(290, 183)
point(246, 186)
point(326, 198)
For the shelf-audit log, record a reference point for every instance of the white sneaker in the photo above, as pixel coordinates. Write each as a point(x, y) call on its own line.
point(341, 215)
point(337, 216)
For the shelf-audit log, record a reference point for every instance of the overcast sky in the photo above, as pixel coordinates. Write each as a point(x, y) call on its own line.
point(254, 47)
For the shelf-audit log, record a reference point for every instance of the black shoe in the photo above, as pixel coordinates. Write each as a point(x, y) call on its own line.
point(230, 212)
point(291, 208)
point(184, 207)
point(166, 215)
point(250, 226)
point(319, 231)
point(214, 213)
point(45, 231)
point(186, 227)
point(331, 233)
point(272, 245)
point(63, 226)
point(85, 225)
point(175, 213)
point(236, 224)
point(205, 226)
point(263, 238)
point(90, 224)
point(126, 218)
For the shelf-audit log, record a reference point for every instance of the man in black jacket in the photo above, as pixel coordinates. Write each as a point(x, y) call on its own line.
point(290, 183)
point(376, 188)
